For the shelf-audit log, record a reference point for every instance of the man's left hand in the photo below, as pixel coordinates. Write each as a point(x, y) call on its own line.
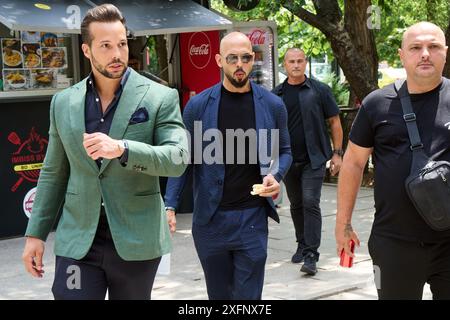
point(271, 186)
point(99, 145)
point(335, 164)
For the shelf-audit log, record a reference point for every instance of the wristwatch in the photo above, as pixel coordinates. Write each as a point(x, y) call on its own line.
point(123, 159)
point(339, 152)
point(170, 208)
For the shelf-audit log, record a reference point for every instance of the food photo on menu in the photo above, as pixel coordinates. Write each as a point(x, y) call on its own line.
point(31, 55)
point(16, 79)
point(43, 78)
point(28, 36)
point(11, 53)
point(49, 39)
point(54, 57)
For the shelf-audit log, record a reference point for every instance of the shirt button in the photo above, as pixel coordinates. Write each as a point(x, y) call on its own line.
point(102, 120)
point(219, 182)
point(101, 176)
point(96, 99)
point(103, 204)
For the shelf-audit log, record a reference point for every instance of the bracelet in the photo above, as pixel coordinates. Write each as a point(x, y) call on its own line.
point(339, 152)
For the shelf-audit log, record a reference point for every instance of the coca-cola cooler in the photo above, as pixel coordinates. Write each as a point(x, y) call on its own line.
point(263, 35)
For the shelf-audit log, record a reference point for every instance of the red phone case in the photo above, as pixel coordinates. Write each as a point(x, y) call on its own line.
point(346, 260)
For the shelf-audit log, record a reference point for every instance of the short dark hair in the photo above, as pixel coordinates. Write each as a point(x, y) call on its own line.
point(104, 13)
point(293, 49)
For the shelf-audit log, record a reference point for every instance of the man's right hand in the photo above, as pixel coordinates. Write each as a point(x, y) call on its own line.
point(32, 256)
point(171, 220)
point(344, 233)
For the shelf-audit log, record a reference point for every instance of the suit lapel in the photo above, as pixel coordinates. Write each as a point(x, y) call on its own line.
point(77, 119)
point(132, 94)
point(212, 111)
point(260, 111)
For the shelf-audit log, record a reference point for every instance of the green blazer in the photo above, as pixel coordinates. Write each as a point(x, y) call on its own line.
point(130, 194)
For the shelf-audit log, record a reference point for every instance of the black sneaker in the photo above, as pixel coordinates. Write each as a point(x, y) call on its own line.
point(298, 256)
point(309, 267)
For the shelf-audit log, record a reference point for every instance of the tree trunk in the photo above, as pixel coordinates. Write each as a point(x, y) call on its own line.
point(351, 40)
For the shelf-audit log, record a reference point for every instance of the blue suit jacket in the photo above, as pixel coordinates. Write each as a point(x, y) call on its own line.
point(270, 113)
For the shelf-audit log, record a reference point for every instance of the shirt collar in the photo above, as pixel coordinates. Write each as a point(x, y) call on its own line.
point(307, 82)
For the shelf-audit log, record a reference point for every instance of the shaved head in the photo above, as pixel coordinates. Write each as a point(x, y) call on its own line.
point(234, 39)
point(423, 55)
point(420, 28)
point(236, 60)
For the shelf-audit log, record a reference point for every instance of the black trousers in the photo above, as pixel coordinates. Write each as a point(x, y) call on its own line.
point(103, 269)
point(304, 188)
point(403, 267)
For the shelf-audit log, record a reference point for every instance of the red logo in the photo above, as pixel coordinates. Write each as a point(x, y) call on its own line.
point(199, 50)
point(28, 201)
point(257, 36)
point(27, 160)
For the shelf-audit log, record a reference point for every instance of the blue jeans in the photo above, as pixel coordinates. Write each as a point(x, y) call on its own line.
point(304, 188)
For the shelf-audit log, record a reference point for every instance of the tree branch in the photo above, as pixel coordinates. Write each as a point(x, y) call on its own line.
point(305, 15)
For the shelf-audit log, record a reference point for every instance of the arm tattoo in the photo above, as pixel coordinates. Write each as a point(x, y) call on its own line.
point(348, 230)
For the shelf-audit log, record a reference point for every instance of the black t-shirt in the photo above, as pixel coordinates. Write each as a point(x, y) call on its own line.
point(237, 111)
point(295, 122)
point(379, 124)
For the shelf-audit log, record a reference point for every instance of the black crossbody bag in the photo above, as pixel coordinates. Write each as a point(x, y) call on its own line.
point(428, 183)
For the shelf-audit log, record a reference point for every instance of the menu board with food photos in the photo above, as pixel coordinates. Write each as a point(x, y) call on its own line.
point(33, 61)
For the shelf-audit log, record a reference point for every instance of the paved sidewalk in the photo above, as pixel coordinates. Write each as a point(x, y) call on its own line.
point(283, 280)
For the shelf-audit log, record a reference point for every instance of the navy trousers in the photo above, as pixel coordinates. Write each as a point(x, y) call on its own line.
point(232, 249)
point(103, 269)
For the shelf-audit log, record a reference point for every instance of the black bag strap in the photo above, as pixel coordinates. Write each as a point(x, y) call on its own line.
point(419, 156)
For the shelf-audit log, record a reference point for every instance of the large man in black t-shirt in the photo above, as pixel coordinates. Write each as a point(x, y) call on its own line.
point(310, 104)
point(406, 252)
point(229, 226)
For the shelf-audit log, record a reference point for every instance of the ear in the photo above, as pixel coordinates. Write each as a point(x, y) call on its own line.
point(218, 58)
point(86, 50)
point(400, 54)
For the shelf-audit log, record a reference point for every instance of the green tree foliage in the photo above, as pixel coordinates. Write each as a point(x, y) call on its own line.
point(396, 16)
point(292, 32)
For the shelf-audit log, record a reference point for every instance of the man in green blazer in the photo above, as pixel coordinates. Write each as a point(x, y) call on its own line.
point(111, 136)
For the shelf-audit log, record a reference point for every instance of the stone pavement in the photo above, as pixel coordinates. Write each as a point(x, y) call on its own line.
point(283, 280)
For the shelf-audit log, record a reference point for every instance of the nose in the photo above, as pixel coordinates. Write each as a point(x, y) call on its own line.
point(116, 53)
point(425, 54)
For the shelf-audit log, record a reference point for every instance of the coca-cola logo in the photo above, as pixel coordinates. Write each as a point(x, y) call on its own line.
point(199, 50)
point(257, 37)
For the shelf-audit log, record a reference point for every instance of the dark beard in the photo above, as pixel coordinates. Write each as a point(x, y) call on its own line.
point(105, 73)
point(235, 83)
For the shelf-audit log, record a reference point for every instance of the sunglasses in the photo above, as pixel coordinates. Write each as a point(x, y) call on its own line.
point(233, 58)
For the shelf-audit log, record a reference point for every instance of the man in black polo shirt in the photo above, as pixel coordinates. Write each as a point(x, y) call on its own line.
point(405, 251)
point(309, 104)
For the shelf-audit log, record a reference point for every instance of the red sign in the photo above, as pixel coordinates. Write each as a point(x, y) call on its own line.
point(198, 65)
